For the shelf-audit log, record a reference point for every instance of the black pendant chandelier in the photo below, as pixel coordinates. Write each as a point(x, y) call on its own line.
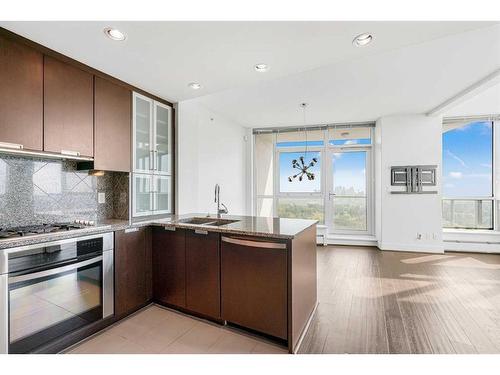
point(303, 168)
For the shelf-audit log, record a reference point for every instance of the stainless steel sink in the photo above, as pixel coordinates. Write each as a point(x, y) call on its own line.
point(219, 222)
point(207, 221)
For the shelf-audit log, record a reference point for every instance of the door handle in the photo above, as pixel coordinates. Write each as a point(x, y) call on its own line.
point(250, 243)
point(330, 195)
point(53, 271)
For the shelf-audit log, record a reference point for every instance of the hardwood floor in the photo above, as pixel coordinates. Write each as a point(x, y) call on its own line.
point(373, 301)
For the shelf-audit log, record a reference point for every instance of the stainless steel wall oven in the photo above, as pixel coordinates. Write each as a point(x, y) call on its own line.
point(50, 289)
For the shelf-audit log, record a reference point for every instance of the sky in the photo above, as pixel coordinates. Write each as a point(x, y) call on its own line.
point(467, 161)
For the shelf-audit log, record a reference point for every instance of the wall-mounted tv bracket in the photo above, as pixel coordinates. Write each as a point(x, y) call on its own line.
point(414, 178)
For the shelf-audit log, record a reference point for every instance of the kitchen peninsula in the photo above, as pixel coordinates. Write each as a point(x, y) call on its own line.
point(254, 273)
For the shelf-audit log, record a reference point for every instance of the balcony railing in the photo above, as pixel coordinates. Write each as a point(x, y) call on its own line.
point(467, 213)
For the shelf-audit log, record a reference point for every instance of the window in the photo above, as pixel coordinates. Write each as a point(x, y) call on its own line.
point(339, 194)
point(349, 199)
point(344, 136)
point(286, 170)
point(301, 208)
point(468, 191)
point(264, 174)
point(301, 199)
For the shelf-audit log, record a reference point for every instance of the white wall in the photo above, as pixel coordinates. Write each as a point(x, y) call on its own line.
point(407, 140)
point(210, 149)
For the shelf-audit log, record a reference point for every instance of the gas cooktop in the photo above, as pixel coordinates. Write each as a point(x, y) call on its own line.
point(42, 228)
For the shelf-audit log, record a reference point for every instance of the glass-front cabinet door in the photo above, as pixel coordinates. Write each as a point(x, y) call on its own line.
point(143, 134)
point(152, 153)
point(162, 139)
point(142, 203)
point(162, 196)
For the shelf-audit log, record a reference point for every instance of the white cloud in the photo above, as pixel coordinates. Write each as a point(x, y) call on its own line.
point(456, 174)
point(486, 165)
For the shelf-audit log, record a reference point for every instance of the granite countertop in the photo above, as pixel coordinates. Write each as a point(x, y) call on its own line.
point(272, 227)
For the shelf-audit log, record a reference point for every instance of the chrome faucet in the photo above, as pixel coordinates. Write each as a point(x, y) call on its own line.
point(217, 200)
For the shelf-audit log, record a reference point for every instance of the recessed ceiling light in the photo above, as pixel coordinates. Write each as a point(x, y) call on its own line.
point(114, 34)
point(195, 85)
point(261, 68)
point(362, 39)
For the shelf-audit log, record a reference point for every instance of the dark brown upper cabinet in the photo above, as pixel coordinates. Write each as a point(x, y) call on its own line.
point(112, 126)
point(21, 95)
point(68, 109)
point(203, 273)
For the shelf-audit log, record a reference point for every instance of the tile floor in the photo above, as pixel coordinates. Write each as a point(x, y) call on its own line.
point(155, 330)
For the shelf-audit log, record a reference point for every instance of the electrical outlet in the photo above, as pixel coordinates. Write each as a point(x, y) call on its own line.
point(419, 236)
point(101, 198)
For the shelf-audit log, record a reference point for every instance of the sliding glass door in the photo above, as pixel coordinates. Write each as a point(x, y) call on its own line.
point(347, 200)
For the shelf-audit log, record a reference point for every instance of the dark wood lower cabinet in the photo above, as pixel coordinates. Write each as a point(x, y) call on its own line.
point(203, 273)
point(265, 285)
point(169, 266)
point(133, 271)
point(254, 284)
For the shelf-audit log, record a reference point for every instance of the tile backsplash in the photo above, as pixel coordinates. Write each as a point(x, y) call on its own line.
point(37, 190)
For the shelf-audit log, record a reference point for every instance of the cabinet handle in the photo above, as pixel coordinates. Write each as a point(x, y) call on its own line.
point(172, 229)
point(131, 230)
point(69, 152)
point(249, 243)
point(155, 158)
point(11, 145)
point(198, 231)
point(151, 164)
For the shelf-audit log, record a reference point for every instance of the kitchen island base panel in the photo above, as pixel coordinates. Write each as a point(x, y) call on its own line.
point(302, 284)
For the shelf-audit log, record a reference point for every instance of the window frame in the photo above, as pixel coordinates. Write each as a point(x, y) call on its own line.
point(325, 151)
point(495, 188)
point(369, 187)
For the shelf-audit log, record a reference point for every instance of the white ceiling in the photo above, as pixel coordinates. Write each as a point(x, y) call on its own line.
point(409, 68)
point(485, 103)
point(163, 57)
point(412, 79)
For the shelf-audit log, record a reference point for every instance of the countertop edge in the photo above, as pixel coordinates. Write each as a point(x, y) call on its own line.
point(117, 226)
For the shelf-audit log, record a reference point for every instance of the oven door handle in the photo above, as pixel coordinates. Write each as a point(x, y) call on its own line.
point(53, 271)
